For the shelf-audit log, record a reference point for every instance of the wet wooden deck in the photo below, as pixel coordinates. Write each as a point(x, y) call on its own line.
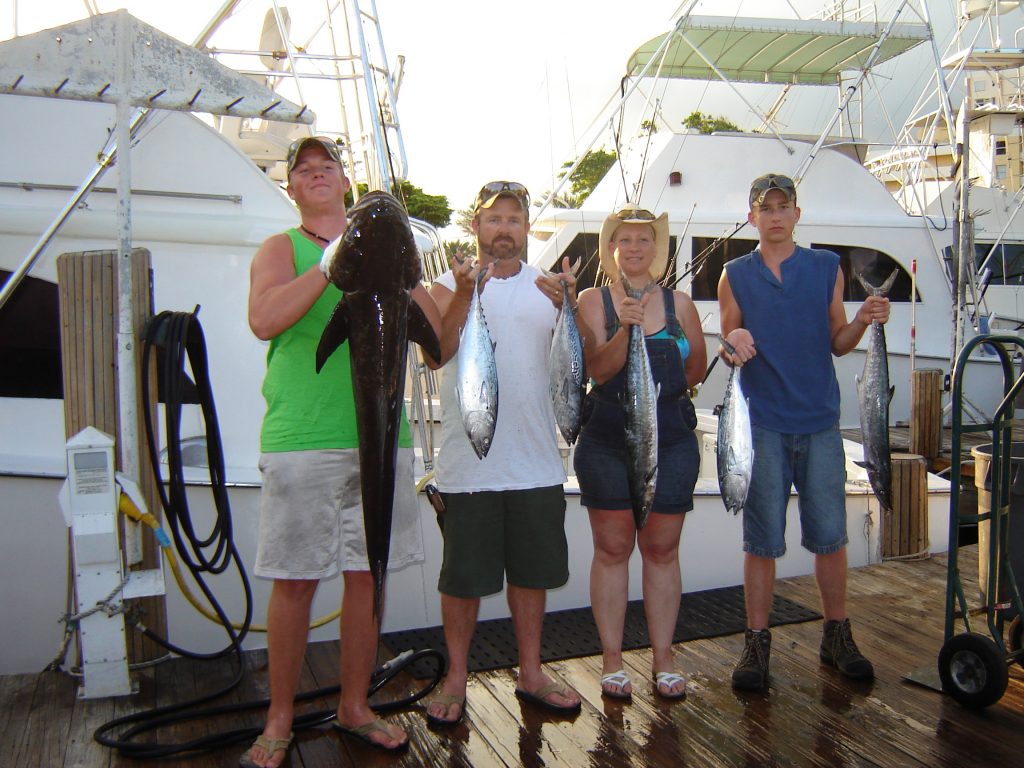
point(810, 717)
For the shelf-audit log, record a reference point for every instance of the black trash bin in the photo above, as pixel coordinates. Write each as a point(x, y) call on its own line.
point(982, 480)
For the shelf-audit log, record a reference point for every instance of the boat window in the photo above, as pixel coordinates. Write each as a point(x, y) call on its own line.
point(30, 359)
point(30, 341)
point(708, 258)
point(1007, 262)
point(874, 266)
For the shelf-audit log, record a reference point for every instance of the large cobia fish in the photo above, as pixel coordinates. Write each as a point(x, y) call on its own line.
point(476, 388)
point(641, 407)
point(735, 449)
point(567, 372)
point(376, 265)
point(874, 394)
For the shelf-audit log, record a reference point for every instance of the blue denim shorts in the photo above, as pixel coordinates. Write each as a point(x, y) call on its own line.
point(816, 465)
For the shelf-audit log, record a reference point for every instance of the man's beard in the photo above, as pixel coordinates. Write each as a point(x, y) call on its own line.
point(502, 248)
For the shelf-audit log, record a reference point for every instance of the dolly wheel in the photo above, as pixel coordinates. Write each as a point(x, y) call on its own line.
point(1013, 637)
point(973, 670)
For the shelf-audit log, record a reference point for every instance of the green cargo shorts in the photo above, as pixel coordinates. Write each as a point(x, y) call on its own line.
point(491, 535)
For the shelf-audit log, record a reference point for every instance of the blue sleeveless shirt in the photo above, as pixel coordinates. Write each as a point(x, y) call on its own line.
point(791, 382)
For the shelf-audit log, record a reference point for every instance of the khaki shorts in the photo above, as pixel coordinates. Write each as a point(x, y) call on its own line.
point(311, 515)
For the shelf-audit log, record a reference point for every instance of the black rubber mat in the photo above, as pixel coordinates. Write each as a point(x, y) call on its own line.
point(572, 633)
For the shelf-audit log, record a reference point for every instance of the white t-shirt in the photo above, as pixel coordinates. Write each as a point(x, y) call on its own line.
point(524, 452)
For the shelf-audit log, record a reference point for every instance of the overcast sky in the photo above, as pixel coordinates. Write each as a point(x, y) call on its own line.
point(509, 90)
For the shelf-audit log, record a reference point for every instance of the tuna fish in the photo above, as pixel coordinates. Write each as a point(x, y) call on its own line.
point(641, 406)
point(735, 450)
point(567, 372)
point(476, 388)
point(376, 264)
point(874, 395)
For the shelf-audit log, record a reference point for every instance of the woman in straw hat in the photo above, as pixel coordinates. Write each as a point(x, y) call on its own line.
point(634, 247)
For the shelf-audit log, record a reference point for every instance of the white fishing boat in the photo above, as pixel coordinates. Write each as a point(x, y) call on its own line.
point(702, 182)
point(204, 193)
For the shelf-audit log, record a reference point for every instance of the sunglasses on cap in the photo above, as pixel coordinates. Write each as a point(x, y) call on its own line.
point(634, 214)
point(491, 191)
point(333, 150)
point(764, 184)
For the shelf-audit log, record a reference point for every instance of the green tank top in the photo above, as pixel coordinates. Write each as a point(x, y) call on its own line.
point(305, 410)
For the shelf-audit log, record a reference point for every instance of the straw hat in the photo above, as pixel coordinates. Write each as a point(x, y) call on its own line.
point(631, 214)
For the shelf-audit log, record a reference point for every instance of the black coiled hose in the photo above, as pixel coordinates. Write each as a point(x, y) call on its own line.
point(179, 336)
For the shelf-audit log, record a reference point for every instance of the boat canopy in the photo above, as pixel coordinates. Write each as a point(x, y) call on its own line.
point(104, 58)
point(781, 51)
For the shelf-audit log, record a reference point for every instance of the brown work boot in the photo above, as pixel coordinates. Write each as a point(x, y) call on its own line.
point(751, 673)
point(839, 650)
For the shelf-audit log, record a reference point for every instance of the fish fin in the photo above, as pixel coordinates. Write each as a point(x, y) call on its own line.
point(881, 290)
point(335, 334)
point(422, 332)
point(892, 391)
point(884, 289)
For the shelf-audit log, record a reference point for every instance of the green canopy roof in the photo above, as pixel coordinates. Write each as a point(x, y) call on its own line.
point(792, 51)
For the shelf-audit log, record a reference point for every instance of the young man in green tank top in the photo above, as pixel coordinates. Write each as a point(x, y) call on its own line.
point(310, 515)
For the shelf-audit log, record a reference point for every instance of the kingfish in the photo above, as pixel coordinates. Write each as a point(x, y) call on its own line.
point(567, 372)
point(874, 395)
point(476, 388)
point(735, 449)
point(641, 407)
point(376, 265)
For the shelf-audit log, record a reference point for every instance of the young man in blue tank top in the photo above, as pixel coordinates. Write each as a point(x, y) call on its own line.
point(782, 311)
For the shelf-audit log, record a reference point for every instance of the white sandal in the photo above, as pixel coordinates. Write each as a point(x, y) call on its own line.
point(620, 679)
point(669, 680)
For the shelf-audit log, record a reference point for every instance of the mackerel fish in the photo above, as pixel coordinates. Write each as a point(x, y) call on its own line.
point(874, 394)
point(641, 407)
point(567, 372)
point(476, 388)
point(735, 449)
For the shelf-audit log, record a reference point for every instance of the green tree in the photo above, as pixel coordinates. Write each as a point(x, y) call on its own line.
point(584, 179)
point(465, 247)
point(464, 221)
point(433, 209)
point(590, 171)
point(709, 123)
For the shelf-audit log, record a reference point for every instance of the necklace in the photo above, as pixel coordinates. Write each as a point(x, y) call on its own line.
point(309, 232)
point(519, 268)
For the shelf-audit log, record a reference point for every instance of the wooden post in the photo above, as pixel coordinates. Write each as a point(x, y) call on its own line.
point(926, 412)
point(87, 286)
point(905, 528)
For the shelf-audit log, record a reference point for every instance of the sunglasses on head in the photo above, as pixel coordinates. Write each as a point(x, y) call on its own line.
point(773, 181)
point(487, 191)
point(635, 214)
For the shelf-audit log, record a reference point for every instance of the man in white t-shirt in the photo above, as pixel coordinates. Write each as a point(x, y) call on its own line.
point(505, 513)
